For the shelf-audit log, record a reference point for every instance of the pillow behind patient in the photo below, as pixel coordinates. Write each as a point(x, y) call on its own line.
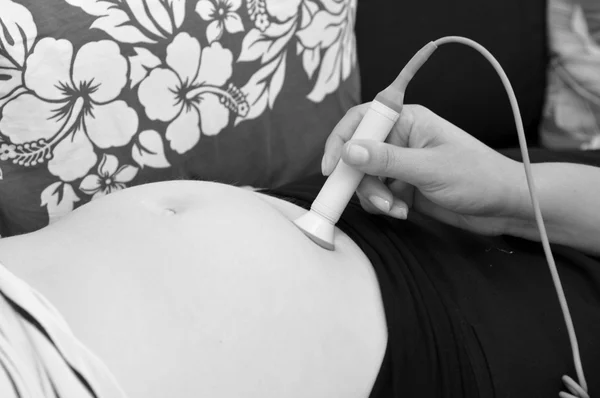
point(572, 114)
point(98, 95)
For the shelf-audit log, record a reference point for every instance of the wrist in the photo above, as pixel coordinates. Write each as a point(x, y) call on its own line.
point(517, 200)
point(520, 220)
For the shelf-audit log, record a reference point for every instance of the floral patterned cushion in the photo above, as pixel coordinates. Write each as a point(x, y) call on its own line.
point(98, 95)
point(572, 115)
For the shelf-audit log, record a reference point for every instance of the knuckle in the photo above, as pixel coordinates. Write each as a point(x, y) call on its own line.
point(420, 110)
point(387, 160)
point(420, 113)
point(419, 119)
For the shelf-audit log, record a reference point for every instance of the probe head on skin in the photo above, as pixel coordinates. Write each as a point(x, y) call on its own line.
point(319, 229)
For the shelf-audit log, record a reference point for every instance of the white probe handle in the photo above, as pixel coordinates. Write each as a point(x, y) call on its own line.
point(344, 180)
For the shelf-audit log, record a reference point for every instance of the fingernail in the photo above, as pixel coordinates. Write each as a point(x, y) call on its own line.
point(358, 155)
point(325, 165)
point(399, 212)
point(382, 204)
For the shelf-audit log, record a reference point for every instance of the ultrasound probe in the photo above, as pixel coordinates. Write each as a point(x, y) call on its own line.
point(326, 210)
point(319, 223)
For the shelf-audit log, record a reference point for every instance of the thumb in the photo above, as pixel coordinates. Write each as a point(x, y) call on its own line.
point(414, 166)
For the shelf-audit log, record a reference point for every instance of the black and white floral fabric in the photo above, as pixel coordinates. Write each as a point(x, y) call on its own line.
point(98, 95)
point(572, 116)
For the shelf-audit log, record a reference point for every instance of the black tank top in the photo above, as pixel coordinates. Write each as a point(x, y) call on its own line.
point(471, 316)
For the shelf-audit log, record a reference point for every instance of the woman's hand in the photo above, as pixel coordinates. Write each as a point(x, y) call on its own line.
point(431, 166)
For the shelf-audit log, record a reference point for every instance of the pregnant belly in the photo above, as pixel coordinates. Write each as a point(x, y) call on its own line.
point(200, 289)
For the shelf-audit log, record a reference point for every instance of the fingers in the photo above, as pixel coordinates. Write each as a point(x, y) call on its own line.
point(414, 166)
point(376, 198)
point(414, 129)
point(342, 132)
point(346, 127)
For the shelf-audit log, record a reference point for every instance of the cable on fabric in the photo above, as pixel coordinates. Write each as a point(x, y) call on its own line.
point(575, 390)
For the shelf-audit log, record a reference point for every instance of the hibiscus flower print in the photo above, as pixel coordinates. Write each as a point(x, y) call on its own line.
point(281, 10)
point(69, 107)
point(222, 16)
point(188, 92)
point(110, 177)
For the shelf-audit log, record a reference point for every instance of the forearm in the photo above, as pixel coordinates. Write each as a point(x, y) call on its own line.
point(569, 196)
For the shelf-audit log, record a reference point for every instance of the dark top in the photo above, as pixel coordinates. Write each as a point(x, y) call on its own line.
point(471, 316)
